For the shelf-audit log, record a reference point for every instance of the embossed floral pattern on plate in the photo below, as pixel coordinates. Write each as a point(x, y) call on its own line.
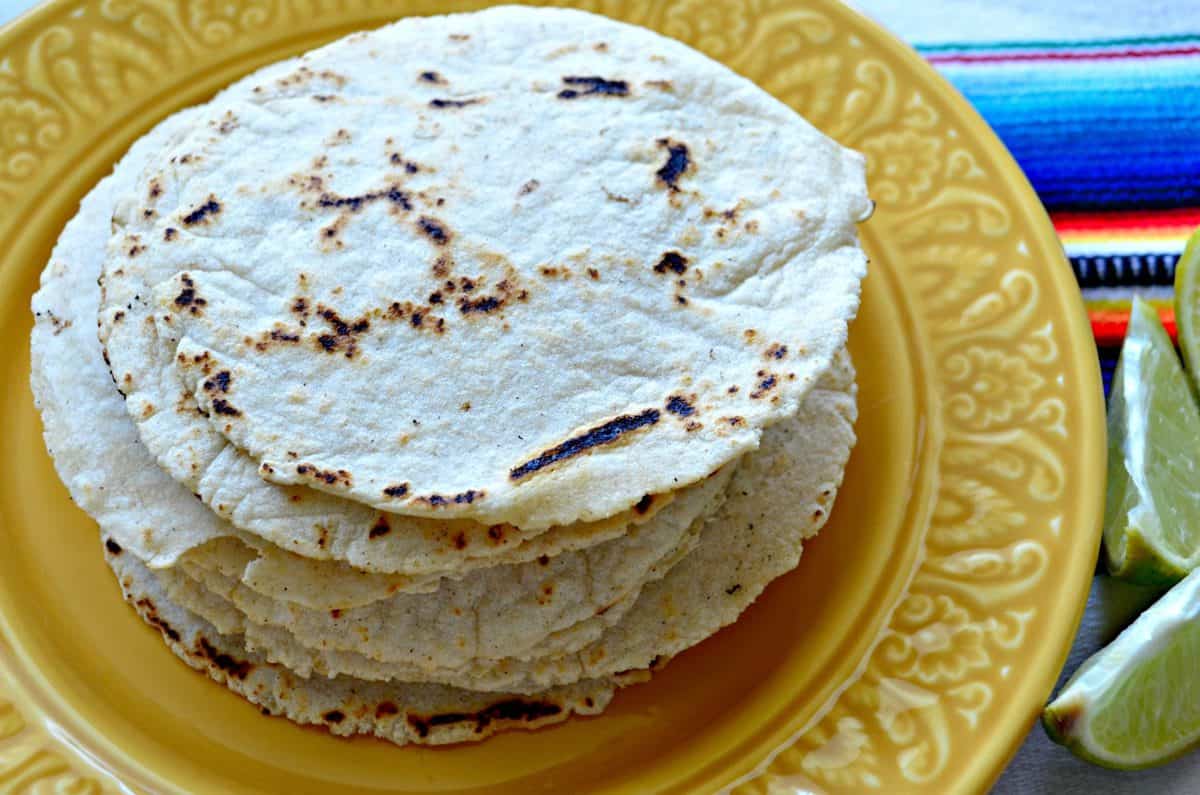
point(976, 639)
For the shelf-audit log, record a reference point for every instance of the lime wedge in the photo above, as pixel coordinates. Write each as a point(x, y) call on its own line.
point(1187, 305)
point(1136, 702)
point(1152, 511)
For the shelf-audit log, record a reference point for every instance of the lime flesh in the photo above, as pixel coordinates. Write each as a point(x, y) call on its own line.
point(1152, 509)
point(1136, 703)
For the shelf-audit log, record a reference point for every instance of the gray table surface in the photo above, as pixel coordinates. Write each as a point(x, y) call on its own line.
point(1039, 766)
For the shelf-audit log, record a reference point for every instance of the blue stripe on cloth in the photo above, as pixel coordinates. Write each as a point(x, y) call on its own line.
point(1096, 135)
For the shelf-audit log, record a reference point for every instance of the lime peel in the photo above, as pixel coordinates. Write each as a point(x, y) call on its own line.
point(1136, 703)
point(1152, 511)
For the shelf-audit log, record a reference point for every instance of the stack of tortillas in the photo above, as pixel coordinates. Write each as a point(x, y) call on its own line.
point(456, 374)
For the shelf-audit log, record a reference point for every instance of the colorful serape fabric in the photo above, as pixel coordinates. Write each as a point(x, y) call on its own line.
point(1108, 132)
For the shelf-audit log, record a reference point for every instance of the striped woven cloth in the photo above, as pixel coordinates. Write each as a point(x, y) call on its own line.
point(1108, 132)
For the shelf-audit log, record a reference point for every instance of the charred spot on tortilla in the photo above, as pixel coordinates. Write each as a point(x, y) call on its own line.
point(239, 669)
point(680, 406)
point(776, 351)
point(396, 490)
point(454, 103)
point(334, 716)
point(380, 528)
point(355, 203)
point(462, 498)
point(112, 546)
point(765, 385)
point(644, 504)
point(432, 77)
point(603, 434)
point(593, 85)
point(434, 230)
point(169, 233)
point(203, 212)
point(187, 298)
point(225, 408)
point(386, 709)
point(678, 163)
point(220, 381)
point(511, 710)
point(672, 261)
point(344, 338)
point(330, 477)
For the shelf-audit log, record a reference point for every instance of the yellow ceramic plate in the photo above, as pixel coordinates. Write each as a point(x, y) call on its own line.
point(924, 627)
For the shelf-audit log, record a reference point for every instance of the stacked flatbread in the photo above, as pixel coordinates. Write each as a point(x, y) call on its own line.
point(456, 374)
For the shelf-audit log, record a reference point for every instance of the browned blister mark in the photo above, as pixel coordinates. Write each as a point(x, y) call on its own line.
point(455, 103)
point(776, 351)
point(506, 291)
point(678, 163)
point(396, 490)
point(187, 299)
point(392, 193)
point(516, 710)
point(330, 477)
point(673, 262)
point(766, 383)
point(380, 528)
point(239, 669)
point(592, 85)
point(225, 408)
point(203, 212)
point(603, 434)
point(433, 229)
point(462, 498)
point(220, 382)
point(149, 612)
point(681, 406)
point(345, 333)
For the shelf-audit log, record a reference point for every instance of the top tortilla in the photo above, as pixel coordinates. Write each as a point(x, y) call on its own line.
point(401, 306)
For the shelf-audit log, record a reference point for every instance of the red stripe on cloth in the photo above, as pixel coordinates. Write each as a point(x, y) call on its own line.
point(1109, 325)
point(1183, 217)
point(1095, 55)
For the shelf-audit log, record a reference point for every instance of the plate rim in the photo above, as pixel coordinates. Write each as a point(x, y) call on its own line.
point(1054, 266)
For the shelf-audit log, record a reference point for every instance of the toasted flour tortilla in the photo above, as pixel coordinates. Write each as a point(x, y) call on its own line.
point(111, 476)
point(401, 306)
point(780, 495)
point(400, 712)
point(548, 608)
point(494, 613)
